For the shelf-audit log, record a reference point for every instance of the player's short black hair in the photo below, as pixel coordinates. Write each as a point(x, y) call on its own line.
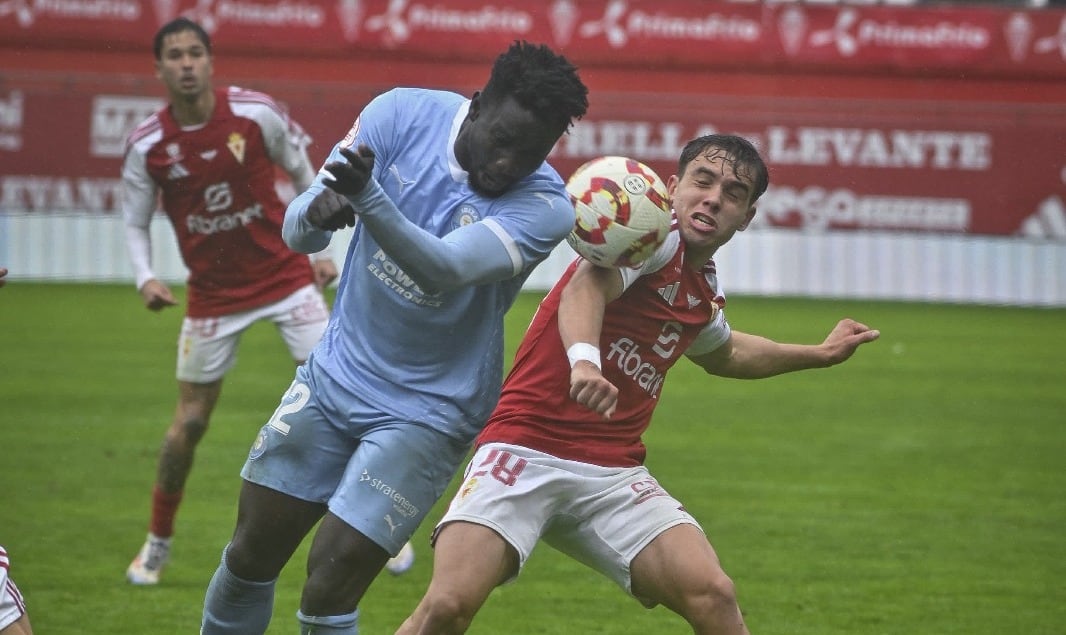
point(177, 25)
point(542, 81)
point(739, 152)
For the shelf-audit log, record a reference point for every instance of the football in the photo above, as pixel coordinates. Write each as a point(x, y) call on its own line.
point(623, 211)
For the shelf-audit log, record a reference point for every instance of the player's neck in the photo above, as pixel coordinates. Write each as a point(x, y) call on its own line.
point(696, 259)
point(195, 111)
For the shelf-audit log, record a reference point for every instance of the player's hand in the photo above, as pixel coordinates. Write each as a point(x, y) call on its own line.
point(157, 295)
point(352, 175)
point(591, 389)
point(330, 211)
point(845, 337)
point(3, 276)
point(325, 272)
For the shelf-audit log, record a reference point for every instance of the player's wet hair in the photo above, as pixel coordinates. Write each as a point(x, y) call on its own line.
point(177, 25)
point(739, 153)
point(541, 81)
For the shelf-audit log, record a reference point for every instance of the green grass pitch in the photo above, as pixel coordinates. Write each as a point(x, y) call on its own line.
point(919, 489)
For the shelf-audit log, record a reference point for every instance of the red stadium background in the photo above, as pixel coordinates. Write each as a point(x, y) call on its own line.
point(914, 119)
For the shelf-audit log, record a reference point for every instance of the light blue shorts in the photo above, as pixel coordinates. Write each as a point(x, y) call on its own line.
point(379, 474)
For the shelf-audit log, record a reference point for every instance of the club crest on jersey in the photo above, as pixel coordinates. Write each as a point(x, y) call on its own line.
point(236, 146)
point(174, 157)
point(467, 214)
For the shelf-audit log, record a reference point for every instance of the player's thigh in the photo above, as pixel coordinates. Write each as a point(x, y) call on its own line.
point(678, 563)
point(397, 473)
point(301, 319)
point(207, 347)
point(469, 561)
point(304, 448)
point(616, 516)
point(514, 492)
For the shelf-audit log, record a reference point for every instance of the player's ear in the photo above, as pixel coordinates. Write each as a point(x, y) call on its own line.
point(475, 106)
point(747, 220)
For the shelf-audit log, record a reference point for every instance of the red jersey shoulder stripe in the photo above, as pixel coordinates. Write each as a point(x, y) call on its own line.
point(239, 95)
point(147, 128)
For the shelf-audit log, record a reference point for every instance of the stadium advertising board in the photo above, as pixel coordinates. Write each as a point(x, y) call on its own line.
point(675, 33)
point(836, 164)
point(816, 86)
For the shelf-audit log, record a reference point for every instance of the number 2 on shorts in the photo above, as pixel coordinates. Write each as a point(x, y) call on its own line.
point(299, 393)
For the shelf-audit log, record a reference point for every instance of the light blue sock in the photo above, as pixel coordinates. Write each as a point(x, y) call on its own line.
point(234, 605)
point(329, 625)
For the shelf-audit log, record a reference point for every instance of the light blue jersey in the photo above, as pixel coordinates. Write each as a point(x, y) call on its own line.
point(429, 356)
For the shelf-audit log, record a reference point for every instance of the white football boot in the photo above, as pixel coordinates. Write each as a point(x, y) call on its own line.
point(150, 560)
point(402, 561)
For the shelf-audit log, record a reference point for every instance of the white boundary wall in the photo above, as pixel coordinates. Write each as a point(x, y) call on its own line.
point(763, 261)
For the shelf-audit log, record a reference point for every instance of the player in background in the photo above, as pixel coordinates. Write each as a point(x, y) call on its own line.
point(562, 458)
point(210, 157)
point(13, 617)
point(456, 205)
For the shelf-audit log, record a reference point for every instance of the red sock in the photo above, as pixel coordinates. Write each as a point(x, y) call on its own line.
point(164, 508)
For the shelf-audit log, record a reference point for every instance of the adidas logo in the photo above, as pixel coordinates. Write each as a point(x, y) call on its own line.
point(1049, 221)
point(177, 171)
point(669, 292)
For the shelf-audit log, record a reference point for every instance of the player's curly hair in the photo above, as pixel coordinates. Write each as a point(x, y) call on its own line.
point(177, 25)
point(542, 81)
point(739, 152)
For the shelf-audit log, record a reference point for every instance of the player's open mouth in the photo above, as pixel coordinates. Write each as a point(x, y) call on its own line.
point(703, 223)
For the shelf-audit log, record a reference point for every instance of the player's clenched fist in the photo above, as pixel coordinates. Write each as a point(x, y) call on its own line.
point(591, 389)
point(331, 211)
point(352, 175)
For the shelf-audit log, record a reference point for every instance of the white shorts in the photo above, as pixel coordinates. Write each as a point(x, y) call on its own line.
point(12, 607)
point(207, 347)
point(600, 516)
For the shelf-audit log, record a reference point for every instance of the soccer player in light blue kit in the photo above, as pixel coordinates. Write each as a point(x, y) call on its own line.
point(455, 207)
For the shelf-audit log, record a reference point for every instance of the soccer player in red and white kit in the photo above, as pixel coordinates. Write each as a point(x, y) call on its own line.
point(13, 617)
point(562, 458)
point(210, 156)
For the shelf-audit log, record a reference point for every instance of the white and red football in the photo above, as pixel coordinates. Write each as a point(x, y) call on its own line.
point(623, 211)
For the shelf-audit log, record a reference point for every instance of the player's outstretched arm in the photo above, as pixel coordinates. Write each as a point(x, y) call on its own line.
point(746, 356)
point(470, 255)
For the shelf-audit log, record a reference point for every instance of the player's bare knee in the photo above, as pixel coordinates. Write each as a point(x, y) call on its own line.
point(447, 613)
point(715, 596)
point(188, 429)
point(334, 586)
point(241, 562)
